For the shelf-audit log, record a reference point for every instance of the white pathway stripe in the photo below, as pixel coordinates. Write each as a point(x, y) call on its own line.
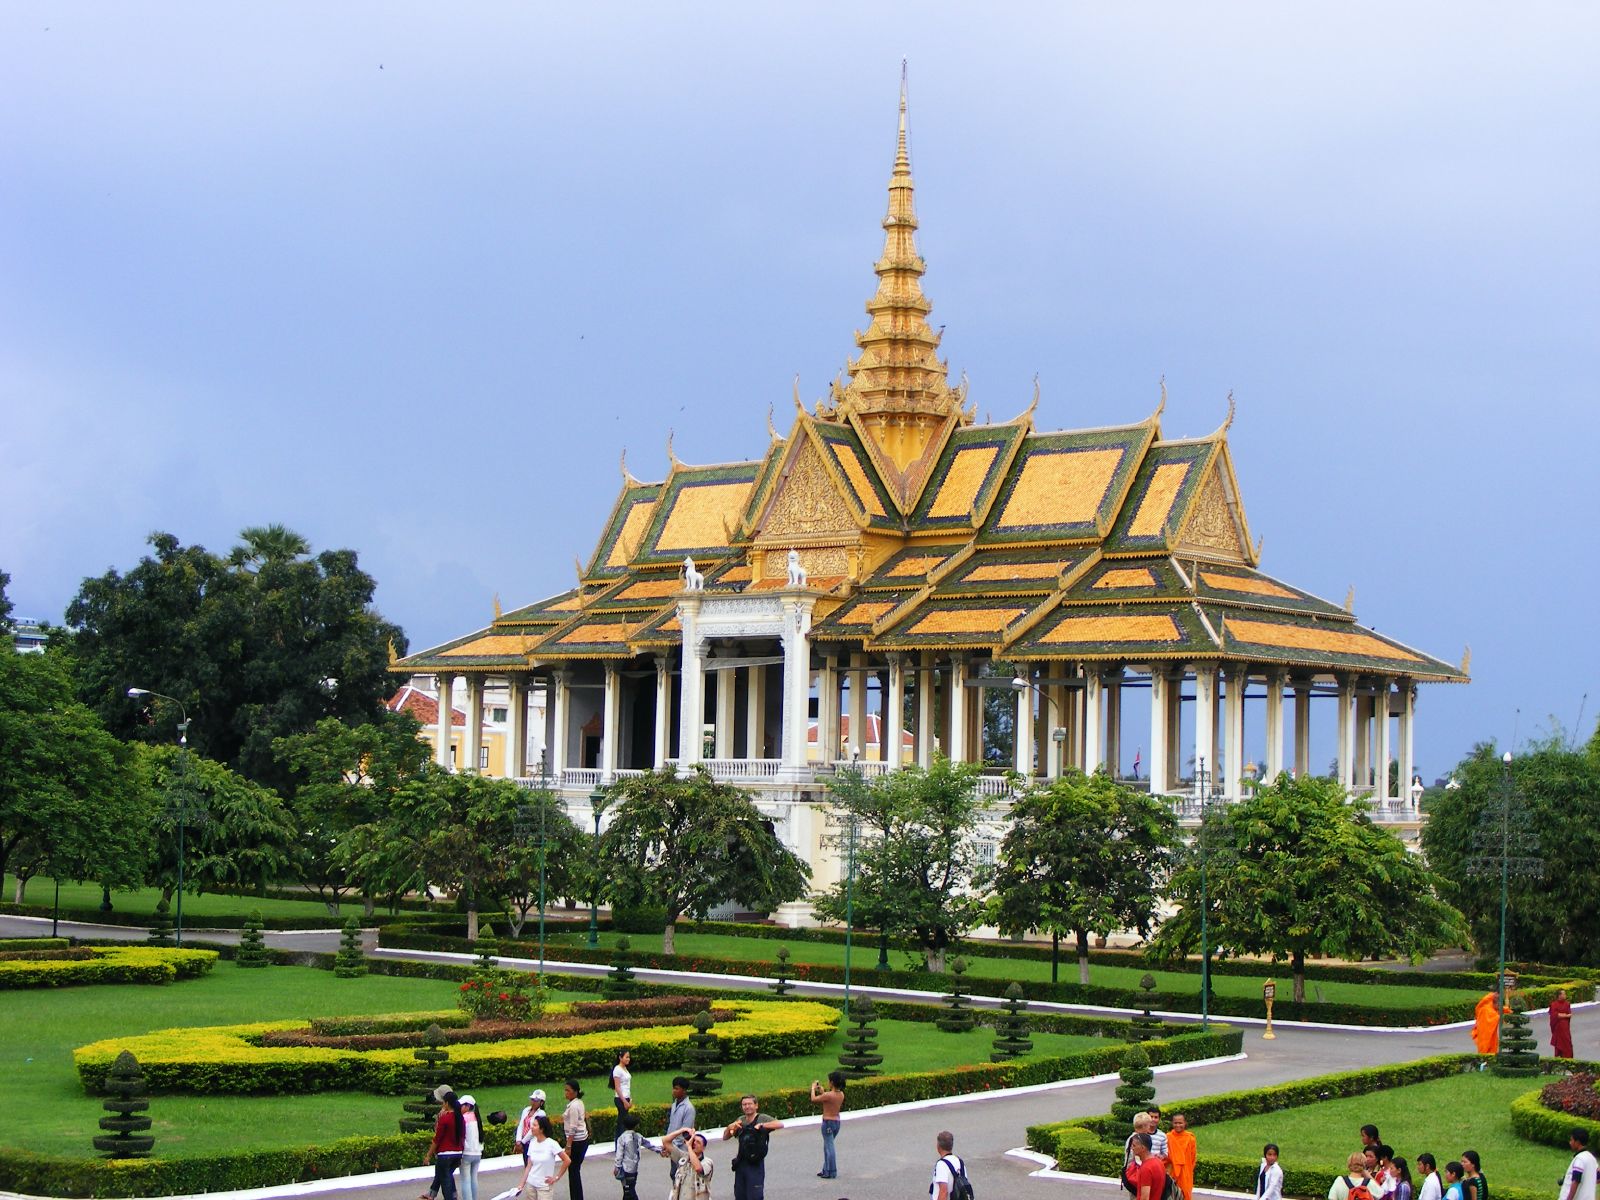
point(662, 975)
point(341, 1183)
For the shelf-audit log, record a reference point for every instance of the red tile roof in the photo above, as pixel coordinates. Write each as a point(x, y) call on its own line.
point(423, 707)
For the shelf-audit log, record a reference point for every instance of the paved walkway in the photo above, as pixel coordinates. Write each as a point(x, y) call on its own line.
point(888, 1155)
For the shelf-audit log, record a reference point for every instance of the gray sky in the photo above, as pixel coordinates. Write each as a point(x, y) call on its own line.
point(407, 278)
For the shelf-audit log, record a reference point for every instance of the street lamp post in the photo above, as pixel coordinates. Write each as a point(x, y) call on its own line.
point(1505, 866)
point(849, 903)
point(183, 744)
point(1201, 795)
point(597, 801)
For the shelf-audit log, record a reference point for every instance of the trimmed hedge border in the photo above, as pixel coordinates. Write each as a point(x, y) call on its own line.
point(123, 963)
point(1534, 1122)
point(1082, 1145)
point(401, 937)
point(93, 916)
point(36, 943)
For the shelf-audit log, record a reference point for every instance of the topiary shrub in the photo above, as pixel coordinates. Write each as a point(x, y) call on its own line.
point(426, 1076)
point(351, 960)
point(252, 949)
point(1011, 1038)
point(860, 1058)
point(958, 1016)
point(1519, 1052)
point(781, 984)
point(702, 1057)
point(1146, 1025)
point(620, 983)
point(127, 1137)
point(160, 925)
point(643, 920)
point(486, 949)
point(1134, 1093)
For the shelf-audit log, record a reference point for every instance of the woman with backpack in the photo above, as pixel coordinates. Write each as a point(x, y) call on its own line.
point(1355, 1183)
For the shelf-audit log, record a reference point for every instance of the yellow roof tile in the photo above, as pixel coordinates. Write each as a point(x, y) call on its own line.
point(1126, 578)
point(649, 589)
point(967, 620)
point(1247, 584)
point(633, 527)
point(857, 475)
point(1156, 505)
point(959, 490)
point(596, 632)
point(1060, 488)
point(867, 613)
point(911, 567)
point(1302, 637)
point(697, 516)
point(499, 643)
point(1019, 570)
point(1115, 629)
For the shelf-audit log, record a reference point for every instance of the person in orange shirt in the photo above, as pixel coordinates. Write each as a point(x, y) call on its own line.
point(1486, 1025)
point(1181, 1154)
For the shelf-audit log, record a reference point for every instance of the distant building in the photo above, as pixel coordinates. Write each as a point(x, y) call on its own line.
point(27, 635)
point(492, 747)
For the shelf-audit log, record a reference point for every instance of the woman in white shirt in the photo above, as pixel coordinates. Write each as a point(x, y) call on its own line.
point(622, 1084)
point(1269, 1183)
point(547, 1161)
point(471, 1149)
point(575, 1122)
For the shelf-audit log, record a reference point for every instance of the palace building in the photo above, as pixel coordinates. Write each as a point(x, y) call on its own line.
point(846, 595)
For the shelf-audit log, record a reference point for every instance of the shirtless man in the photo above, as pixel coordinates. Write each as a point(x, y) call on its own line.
point(832, 1101)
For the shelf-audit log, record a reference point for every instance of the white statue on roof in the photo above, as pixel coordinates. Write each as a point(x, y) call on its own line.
point(797, 573)
point(693, 581)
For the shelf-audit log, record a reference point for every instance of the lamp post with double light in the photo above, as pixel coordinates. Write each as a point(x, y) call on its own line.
point(183, 790)
point(1205, 792)
point(597, 801)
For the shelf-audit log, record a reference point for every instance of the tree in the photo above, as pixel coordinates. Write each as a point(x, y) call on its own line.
point(859, 1057)
point(1085, 855)
point(5, 605)
point(958, 1015)
point(258, 644)
point(918, 867)
point(347, 776)
point(235, 833)
point(430, 1071)
point(1519, 1049)
point(686, 843)
point(1551, 914)
point(252, 947)
point(567, 852)
point(1307, 873)
point(702, 1057)
point(1134, 1093)
point(620, 983)
point(351, 960)
point(69, 798)
point(1011, 1025)
point(127, 1134)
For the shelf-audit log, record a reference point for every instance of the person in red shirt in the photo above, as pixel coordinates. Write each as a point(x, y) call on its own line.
point(449, 1135)
point(1147, 1172)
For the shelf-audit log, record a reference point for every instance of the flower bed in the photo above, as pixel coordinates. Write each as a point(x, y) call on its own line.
point(108, 964)
point(225, 1059)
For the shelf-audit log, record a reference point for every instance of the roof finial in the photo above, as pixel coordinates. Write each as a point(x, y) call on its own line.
point(671, 457)
point(1231, 408)
point(497, 606)
point(1350, 599)
point(1162, 407)
point(772, 430)
point(902, 155)
point(1466, 660)
point(627, 476)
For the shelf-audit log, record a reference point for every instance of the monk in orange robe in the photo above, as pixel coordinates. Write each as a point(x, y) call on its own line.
point(1486, 1025)
point(1561, 1025)
point(1181, 1155)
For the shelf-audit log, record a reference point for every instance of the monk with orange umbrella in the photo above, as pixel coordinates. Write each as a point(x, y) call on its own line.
point(1486, 1025)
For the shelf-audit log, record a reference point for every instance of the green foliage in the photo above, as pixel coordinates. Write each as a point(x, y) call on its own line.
point(1536, 1123)
point(701, 1058)
point(917, 868)
point(685, 843)
point(1134, 1093)
point(958, 1015)
point(1084, 855)
point(69, 800)
point(781, 984)
point(5, 604)
point(1551, 917)
point(1306, 873)
point(351, 961)
point(1011, 1027)
point(424, 1079)
point(485, 948)
point(125, 1099)
point(1519, 1049)
point(620, 983)
point(860, 1058)
point(160, 925)
point(245, 640)
point(252, 948)
point(1147, 1025)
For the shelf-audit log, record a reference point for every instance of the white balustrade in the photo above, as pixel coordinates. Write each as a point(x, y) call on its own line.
point(743, 768)
point(584, 777)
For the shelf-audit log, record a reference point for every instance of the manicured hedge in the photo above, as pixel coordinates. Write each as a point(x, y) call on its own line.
point(112, 964)
point(1533, 1121)
point(222, 1059)
point(35, 943)
point(1066, 993)
point(93, 916)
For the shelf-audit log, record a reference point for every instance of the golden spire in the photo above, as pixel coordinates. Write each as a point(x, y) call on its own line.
point(898, 370)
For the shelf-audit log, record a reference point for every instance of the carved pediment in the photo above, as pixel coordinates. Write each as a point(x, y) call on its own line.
point(1213, 527)
point(807, 504)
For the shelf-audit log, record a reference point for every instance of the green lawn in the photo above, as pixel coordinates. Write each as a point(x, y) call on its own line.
point(51, 1114)
point(1444, 1116)
point(195, 907)
point(724, 945)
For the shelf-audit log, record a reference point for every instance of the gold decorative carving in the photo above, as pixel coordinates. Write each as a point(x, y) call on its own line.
point(807, 503)
point(1212, 526)
point(816, 561)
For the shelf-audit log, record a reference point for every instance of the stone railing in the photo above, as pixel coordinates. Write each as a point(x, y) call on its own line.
point(743, 768)
point(580, 777)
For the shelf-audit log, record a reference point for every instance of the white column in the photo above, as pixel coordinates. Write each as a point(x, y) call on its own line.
point(663, 746)
point(894, 706)
point(858, 706)
point(611, 725)
point(727, 709)
point(1347, 731)
point(1024, 727)
point(958, 710)
point(796, 684)
point(1174, 730)
point(474, 739)
point(1093, 741)
point(691, 691)
point(1408, 723)
point(1274, 763)
point(1056, 748)
point(1205, 697)
point(516, 727)
point(1072, 717)
point(755, 712)
point(1113, 690)
point(1160, 685)
point(828, 710)
point(926, 734)
point(1302, 729)
point(444, 685)
point(1380, 715)
point(561, 701)
point(1232, 730)
point(1363, 771)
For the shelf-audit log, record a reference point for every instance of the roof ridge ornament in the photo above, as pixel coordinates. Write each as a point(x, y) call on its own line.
point(671, 457)
point(1466, 660)
point(1350, 599)
point(1162, 407)
point(496, 603)
point(772, 430)
point(627, 476)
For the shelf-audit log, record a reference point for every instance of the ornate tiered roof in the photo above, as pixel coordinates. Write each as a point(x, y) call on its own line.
point(923, 530)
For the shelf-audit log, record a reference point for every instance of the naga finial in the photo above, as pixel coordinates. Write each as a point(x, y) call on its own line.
point(1350, 599)
point(1466, 660)
point(772, 430)
point(671, 457)
point(496, 603)
point(1162, 407)
point(1232, 408)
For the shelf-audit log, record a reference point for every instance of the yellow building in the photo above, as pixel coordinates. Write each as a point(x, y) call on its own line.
point(877, 560)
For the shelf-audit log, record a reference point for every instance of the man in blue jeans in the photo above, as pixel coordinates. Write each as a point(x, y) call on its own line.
point(753, 1129)
point(831, 1101)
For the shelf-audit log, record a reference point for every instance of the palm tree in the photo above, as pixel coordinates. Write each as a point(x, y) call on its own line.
point(267, 543)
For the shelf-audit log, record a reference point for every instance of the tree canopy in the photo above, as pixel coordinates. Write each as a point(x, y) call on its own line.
point(1555, 794)
point(257, 644)
point(1083, 855)
point(687, 843)
point(919, 870)
point(1295, 870)
point(5, 604)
